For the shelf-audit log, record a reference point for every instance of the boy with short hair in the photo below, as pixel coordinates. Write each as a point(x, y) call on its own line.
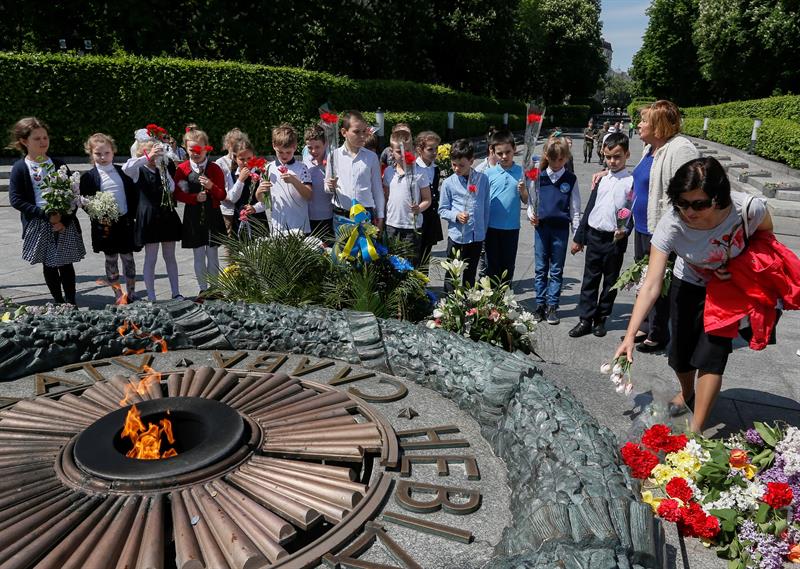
point(408, 194)
point(506, 192)
point(356, 175)
point(464, 203)
point(288, 182)
point(604, 231)
point(320, 208)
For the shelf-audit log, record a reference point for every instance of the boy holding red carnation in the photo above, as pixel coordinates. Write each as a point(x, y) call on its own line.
point(605, 237)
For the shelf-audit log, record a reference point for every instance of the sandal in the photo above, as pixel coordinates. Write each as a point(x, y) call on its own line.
point(676, 410)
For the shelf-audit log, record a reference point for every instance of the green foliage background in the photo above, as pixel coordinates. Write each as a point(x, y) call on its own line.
point(81, 95)
point(707, 51)
point(498, 48)
point(732, 123)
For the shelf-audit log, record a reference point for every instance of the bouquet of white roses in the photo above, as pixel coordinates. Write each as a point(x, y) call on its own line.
point(486, 311)
point(103, 208)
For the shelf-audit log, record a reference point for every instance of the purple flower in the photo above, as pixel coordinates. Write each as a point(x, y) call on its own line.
point(771, 550)
point(754, 438)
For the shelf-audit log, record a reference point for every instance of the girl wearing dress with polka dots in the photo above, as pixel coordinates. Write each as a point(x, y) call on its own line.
point(52, 238)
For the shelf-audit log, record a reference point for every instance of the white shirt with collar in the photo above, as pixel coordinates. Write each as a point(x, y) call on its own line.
point(359, 176)
point(425, 171)
point(613, 193)
point(111, 182)
point(289, 208)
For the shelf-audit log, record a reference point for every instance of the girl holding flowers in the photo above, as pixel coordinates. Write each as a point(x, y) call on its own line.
point(157, 222)
point(200, 184)
point(111, 206)
point(40, 188)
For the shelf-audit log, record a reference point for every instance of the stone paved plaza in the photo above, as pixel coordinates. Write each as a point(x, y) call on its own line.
point(758, 386)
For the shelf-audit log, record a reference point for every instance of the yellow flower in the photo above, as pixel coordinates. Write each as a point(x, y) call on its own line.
point(443, 152)
point(663, 473)
point(748, 470)
point(684, 461)
point(6, 317)
point(231, 270)
point(421, 276)
point(647, 498)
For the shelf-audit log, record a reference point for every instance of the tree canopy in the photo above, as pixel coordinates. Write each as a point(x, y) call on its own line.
point(503, 48)
point(708, 51)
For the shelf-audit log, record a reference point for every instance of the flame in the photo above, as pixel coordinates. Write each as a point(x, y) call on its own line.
point(147, 441)
point(121, 297)
point(140, 335)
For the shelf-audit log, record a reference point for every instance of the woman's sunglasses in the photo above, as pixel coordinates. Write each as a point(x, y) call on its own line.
point(696, 205)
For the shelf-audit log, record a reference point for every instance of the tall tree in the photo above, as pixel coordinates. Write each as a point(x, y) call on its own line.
point(572, 58)
point(666, 65)
point(748, 48)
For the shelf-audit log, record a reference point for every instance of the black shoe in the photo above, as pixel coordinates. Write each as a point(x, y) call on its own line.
point(538, 314)
point(676, 410)
point(552, 316)
point(582, 328)
point(646, 348)
point(599, 328)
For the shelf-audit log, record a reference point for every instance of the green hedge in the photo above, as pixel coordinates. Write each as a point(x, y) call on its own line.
point(81, 95)
point(635, 105)
point(778, 139)
point(464, 124)
point(566, 116)
point(784, 107)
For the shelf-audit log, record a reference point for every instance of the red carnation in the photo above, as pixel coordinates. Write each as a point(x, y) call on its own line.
point(675, 443)
point(533, 117)
point(726, 238)
point(197, 149)
point(709, 529)
point(679, 488)
point(669, 510)
point(656, 437)
point(778, 495)
point(532, 174)
point(640, 461)
point(408, 158)
point(472, 188)
point(659, 438)
point(282, 169)
point(256, 162)
point(329, 118)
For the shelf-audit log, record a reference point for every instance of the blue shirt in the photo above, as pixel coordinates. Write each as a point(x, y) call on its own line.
point(641, 186)
point(504, 196)
point(455, 198)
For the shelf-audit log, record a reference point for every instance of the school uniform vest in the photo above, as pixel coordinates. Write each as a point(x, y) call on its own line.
point(554, 197)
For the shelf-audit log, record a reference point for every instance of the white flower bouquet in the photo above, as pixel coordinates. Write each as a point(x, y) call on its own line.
point(102, 208)
point(59, 188)
point(486, 311)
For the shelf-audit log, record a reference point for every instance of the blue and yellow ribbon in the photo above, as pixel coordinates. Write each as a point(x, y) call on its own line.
point(359, 242)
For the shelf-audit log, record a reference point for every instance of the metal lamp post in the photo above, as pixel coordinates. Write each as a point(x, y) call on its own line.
point(380, 116)
point(705, 127)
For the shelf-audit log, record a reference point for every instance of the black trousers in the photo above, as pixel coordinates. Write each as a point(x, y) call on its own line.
point(57, 277)
point(656, 325)
point(604, 258)
point(501, 252)
point(470, 254)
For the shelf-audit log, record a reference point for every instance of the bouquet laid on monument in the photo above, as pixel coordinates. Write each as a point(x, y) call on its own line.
point(486, 311)
point(740, 495)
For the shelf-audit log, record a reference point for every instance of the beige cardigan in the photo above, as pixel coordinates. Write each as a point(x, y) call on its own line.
point(676, 152)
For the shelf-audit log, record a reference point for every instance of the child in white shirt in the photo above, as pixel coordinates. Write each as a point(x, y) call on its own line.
point(408, 194)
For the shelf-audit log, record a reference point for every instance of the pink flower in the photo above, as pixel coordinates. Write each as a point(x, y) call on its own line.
point(283, 169)
point(243, 216)
point(623, 213)
point(738, 238)
point(494, 315)
point(471, 311)
point(717, 256)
